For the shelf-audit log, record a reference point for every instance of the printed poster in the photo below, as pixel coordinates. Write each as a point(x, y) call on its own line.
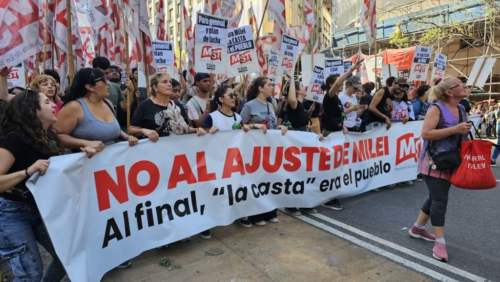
point(211, 44)
point(241, 51)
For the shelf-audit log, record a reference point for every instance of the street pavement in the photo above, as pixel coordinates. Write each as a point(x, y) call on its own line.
point(472, 228)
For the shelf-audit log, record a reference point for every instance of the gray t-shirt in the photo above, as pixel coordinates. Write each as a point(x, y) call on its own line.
point(256, 112)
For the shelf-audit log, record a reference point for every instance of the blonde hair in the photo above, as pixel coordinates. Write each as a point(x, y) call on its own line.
point(155, 80)
point(437, 92)
point(40, 79)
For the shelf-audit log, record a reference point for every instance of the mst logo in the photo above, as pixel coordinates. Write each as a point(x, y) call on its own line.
point(408, 147)
point(316, 89)
point(240, 58)
point(214, 54)
point(287, 63)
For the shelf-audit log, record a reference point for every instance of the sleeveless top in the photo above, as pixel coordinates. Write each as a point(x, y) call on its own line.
point(449, 143)
point(93, 129)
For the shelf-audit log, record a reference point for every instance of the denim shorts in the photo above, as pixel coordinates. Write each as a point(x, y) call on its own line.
point(20, 229)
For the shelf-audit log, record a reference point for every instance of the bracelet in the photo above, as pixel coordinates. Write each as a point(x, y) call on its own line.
point(26, 172)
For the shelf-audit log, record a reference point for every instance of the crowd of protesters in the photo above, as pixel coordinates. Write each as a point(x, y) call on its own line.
point(91, 114)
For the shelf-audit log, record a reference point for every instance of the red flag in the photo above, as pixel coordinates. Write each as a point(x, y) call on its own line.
point(258, 43)
point(212, 7)
point(189, 41)
point(276, 8)
point(368, 20)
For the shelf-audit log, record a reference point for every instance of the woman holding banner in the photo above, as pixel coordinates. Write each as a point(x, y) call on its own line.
point(444, 125)
point(257, 111)
point(26, 144)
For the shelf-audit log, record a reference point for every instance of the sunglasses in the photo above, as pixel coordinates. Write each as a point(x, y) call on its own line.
point(103, 79)
point(458, 85)
point(232, 96)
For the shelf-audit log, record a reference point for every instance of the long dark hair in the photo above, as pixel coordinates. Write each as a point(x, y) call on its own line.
point(219, 93)
point(20, 117)
point(82, 77)
point(253, 92)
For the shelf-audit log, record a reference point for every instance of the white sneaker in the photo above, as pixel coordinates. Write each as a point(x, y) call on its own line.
point(409, 182)
point(260, 223)
point(274, 220)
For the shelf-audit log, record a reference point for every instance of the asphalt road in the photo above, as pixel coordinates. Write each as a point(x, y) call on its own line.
point(472, 226)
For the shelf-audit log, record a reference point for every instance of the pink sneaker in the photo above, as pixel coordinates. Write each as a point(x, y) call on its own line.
point(439, 252)
point(421, 234)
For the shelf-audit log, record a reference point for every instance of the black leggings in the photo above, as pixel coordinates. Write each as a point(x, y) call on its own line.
point(435, 205)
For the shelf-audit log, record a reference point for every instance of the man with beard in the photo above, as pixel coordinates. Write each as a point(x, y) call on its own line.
point(115, 93)
point(381, 105)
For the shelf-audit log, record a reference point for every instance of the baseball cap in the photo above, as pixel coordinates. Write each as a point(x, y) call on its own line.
point(401, 81)
point(200, 76)
point(354, 81)
point(224, 80)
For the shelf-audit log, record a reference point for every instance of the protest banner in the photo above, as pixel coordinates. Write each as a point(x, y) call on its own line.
point(211, 44)
point(16, 77)
point(288, 55)
point(439, 65)
point(241, 51)
point(164, 57)
point(308, 61)
point(125, 200)
point(480, 71)
point(314, 91)
point(334, 66)
point(421, 63)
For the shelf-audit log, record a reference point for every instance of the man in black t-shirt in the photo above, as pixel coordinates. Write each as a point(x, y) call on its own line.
point(381, 105)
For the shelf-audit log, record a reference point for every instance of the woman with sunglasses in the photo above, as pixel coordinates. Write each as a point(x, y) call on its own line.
point(87, 122)
point(444, 125)
point(223, 118)
point(26, 144)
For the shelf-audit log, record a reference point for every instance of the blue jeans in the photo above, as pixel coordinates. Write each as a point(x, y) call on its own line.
point(20, 228)
point(496, 152)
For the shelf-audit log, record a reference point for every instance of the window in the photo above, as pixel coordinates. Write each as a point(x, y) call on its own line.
point(171, 13)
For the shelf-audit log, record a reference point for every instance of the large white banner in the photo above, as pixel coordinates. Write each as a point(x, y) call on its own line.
point(421, 63)
point(241, 51)
point(125, 200)
point(288, 55)
point(314, 91)
point(163, 52)
point(210, 44)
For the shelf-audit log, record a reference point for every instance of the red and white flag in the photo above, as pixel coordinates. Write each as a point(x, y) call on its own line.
point(189, 44)
point(46, 20)
point(315, 47)
point(276, 8)
point(303, 32)
point(131, 23)
point(98, 12)
point(87, 43)
point(368, 20)
point(117, 26)
point(212, 7)
point(235, 15)
point(19, 22)
point(149, 62)
point(160, 22)
point(258, 44)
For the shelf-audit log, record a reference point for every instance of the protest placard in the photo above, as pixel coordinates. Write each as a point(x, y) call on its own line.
point(347, 66)
point(16, 77)
point(164, 56)
point(334, 66)
point(241, 51)
point(314, 91)
point(288, 55)
point(480, 71)
point(308, 61)
point(388, 71)
point(211, 44)
point(439, 65)
point(272, 68)
point(421, 63)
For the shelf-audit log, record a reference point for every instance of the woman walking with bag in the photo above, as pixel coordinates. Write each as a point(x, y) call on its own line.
point(444, 128)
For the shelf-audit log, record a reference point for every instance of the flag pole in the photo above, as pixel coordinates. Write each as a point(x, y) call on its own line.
point(45, 39)
point(146, 67)
point(262, 20)
point(127, 68)
point(71, 63)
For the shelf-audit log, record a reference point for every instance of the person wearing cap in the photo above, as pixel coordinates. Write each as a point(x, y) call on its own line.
point(197, 106)
point(350, 102)
point(381, 106)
